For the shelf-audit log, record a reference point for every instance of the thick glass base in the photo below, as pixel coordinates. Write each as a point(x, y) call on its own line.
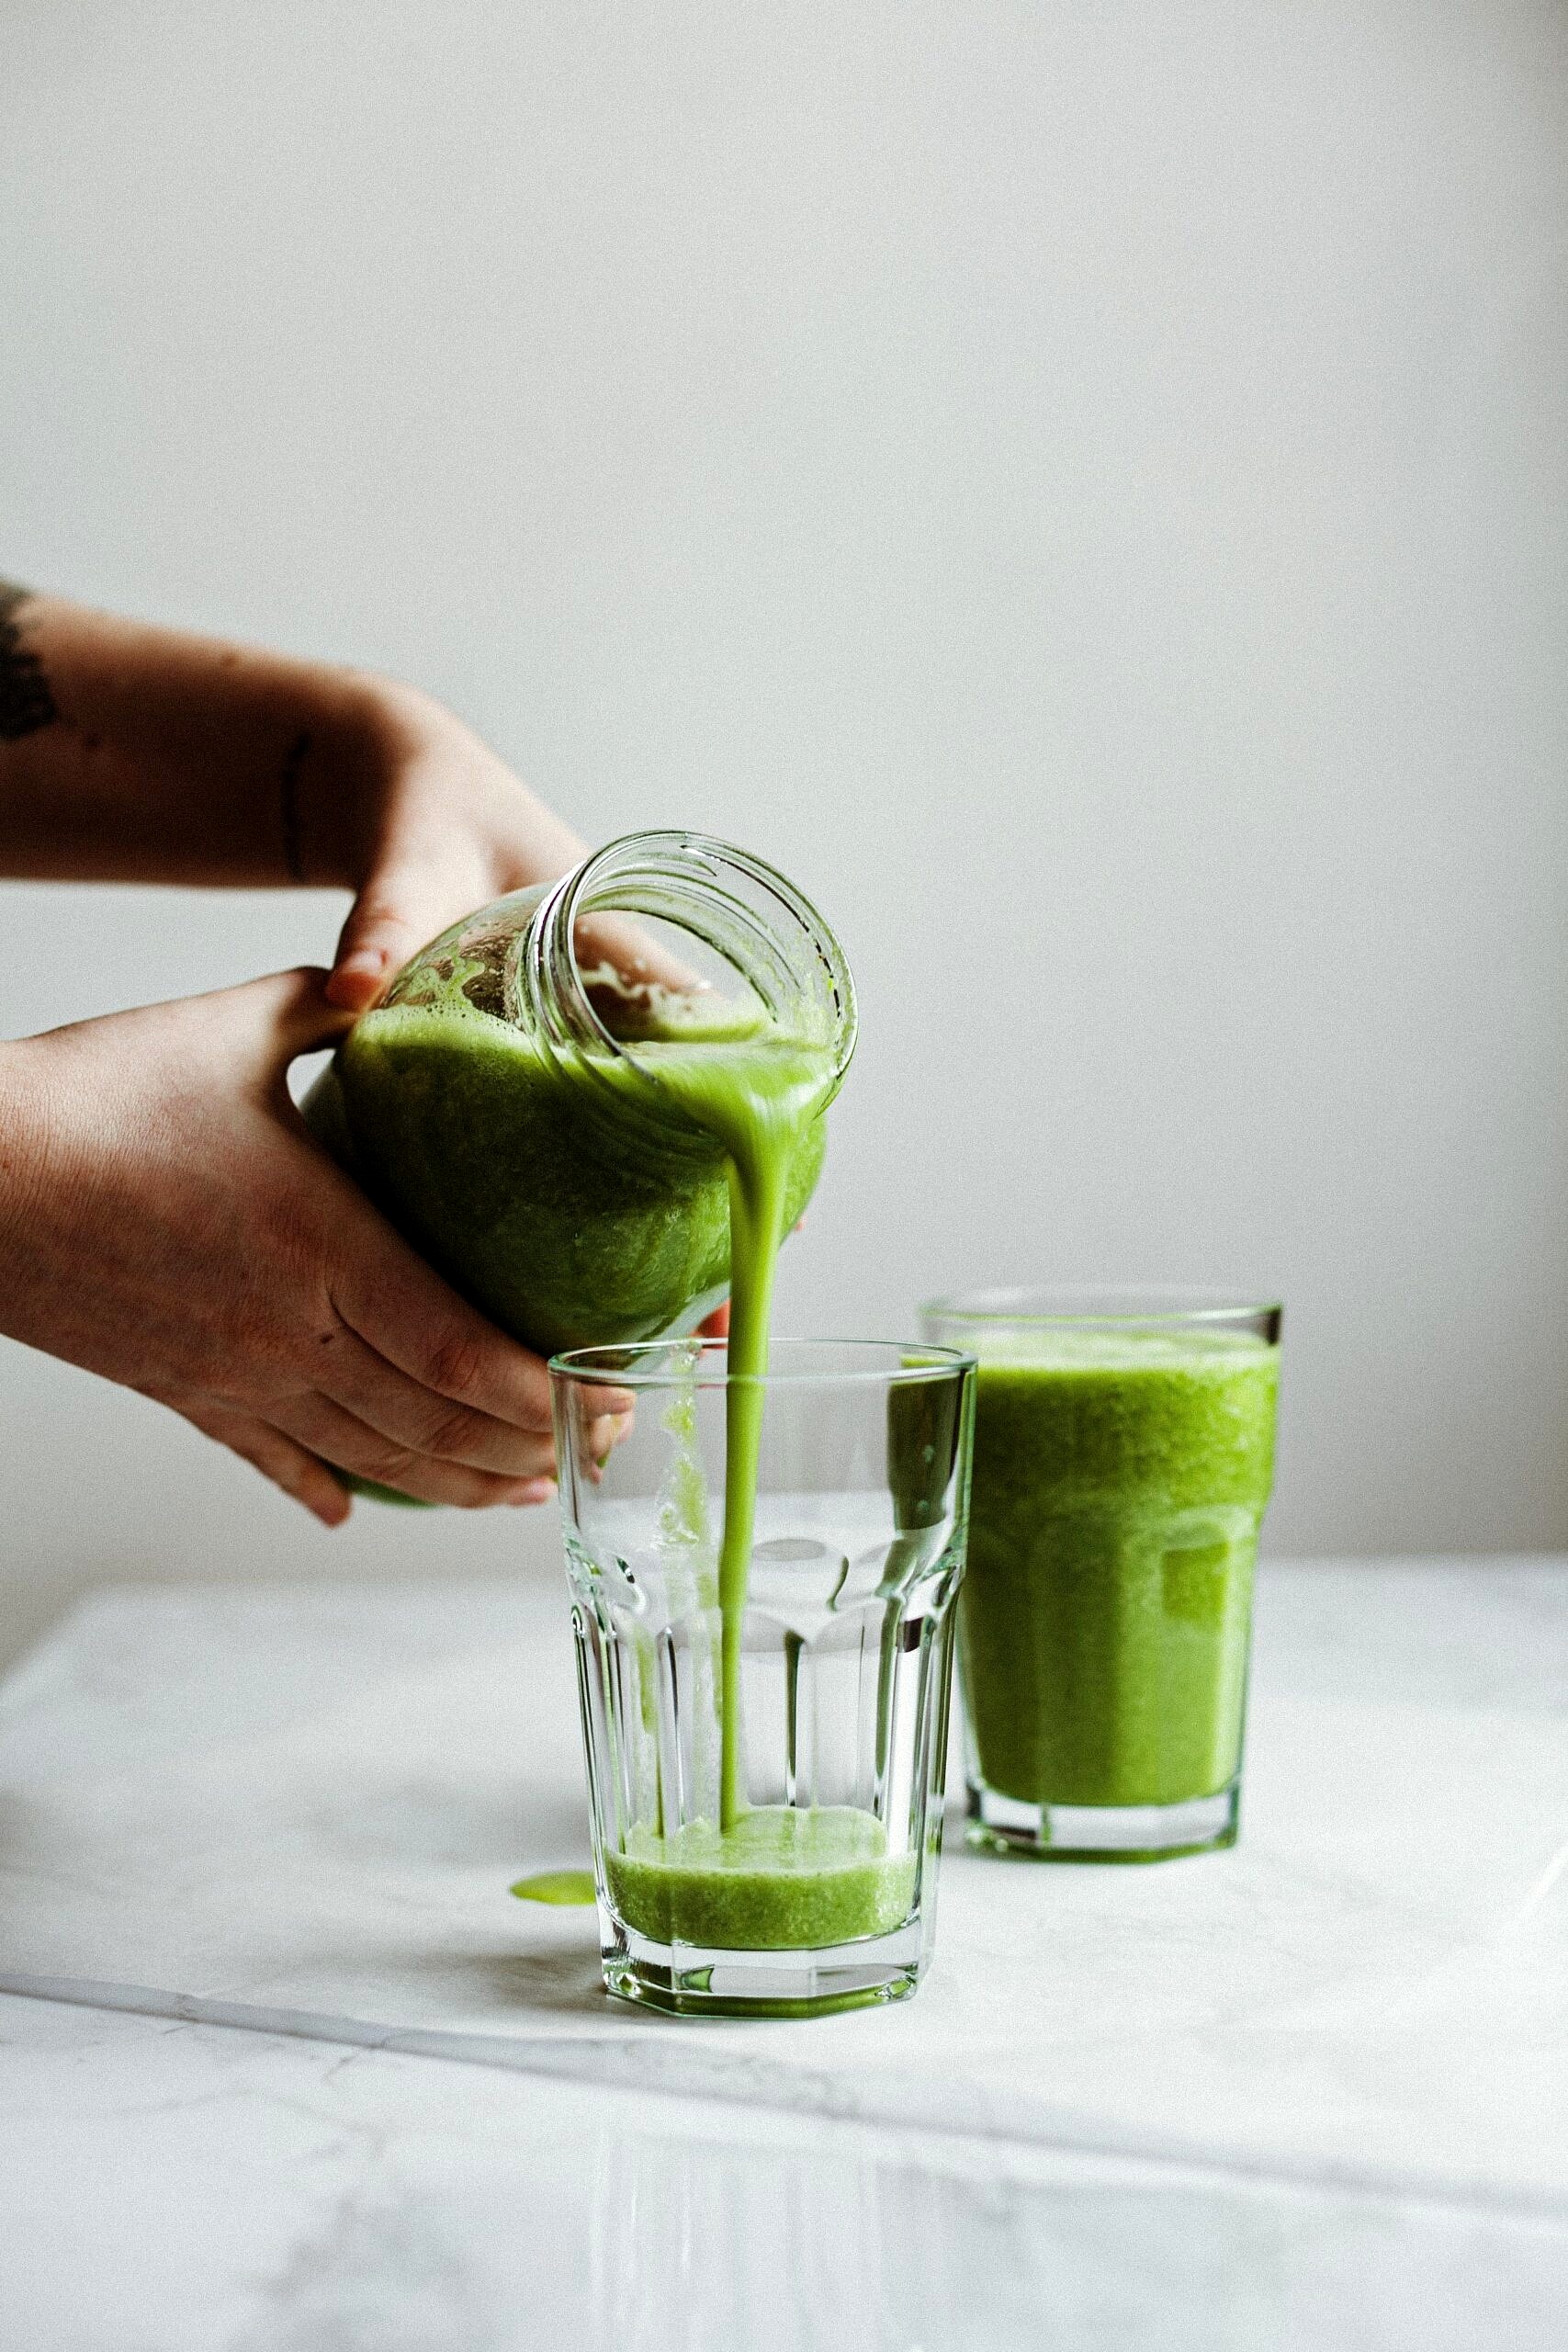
point(684, 1980)
point(1101, 1832)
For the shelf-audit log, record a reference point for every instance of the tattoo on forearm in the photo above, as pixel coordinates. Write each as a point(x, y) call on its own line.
point(288, 804)
point(25, 702)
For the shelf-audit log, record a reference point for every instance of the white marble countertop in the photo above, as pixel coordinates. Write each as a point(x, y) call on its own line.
point(283, 2066)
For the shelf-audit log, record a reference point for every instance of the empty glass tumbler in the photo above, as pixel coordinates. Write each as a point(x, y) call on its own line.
point(1124, 1455)
point(765, 1722)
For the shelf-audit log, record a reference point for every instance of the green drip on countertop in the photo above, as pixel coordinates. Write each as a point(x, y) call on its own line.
point(557, 1886)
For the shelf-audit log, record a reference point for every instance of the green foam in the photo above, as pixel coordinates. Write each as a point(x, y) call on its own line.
point(780, 1879)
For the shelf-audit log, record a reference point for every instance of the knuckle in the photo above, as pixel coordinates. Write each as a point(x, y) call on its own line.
point(456, 1364)
point(453, 1436)
point(386, 1462)
point(535, 1416)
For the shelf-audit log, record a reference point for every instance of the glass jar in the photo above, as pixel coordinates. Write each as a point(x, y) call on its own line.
point(505, 1107)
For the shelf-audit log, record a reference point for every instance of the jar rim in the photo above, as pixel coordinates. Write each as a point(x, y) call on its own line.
point(640, 863)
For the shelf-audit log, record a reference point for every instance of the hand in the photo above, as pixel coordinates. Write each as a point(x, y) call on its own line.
point(436, 826)
point(166, 1221)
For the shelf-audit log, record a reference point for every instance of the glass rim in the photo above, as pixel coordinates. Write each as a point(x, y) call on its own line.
point(1128, 1302)
point(607, 1366)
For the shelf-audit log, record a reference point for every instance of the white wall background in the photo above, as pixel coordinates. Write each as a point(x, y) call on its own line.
point(1081, 487)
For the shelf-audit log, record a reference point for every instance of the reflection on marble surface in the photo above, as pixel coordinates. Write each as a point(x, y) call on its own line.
point(199, 2189)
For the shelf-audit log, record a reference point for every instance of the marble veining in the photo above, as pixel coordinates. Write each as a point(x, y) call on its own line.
point(199, 2189)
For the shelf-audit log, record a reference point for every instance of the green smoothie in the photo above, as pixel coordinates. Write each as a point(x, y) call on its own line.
point(550, 1197)
point(759, 1099)
point(1119, 1483)
point(779, 1879)
point(588, 1199)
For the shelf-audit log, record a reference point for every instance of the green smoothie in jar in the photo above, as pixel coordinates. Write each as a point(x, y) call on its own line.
point(525, 1105)
point(1124, 1457)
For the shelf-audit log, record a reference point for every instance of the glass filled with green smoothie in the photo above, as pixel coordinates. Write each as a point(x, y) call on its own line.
point(1124, 1457)
point(763, 1573)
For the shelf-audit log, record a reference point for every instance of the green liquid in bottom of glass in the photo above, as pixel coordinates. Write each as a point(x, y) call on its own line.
point(780, 1879)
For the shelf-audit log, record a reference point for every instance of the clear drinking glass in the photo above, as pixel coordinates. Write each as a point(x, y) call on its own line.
point(1124, 1457)
point(766, 1766)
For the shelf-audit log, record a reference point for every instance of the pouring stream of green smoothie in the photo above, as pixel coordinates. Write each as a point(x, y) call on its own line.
point(757, 1099)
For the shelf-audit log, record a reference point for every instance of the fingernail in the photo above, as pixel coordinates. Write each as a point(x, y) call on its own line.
point(605, 1432)
point(355, 985)
point(537, 1490)
point(357, 979)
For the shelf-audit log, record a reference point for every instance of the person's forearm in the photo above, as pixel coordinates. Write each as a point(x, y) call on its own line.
point(131, 753)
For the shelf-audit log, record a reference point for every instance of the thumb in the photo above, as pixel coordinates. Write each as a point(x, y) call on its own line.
point(395, 913)
point(269, 1023)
